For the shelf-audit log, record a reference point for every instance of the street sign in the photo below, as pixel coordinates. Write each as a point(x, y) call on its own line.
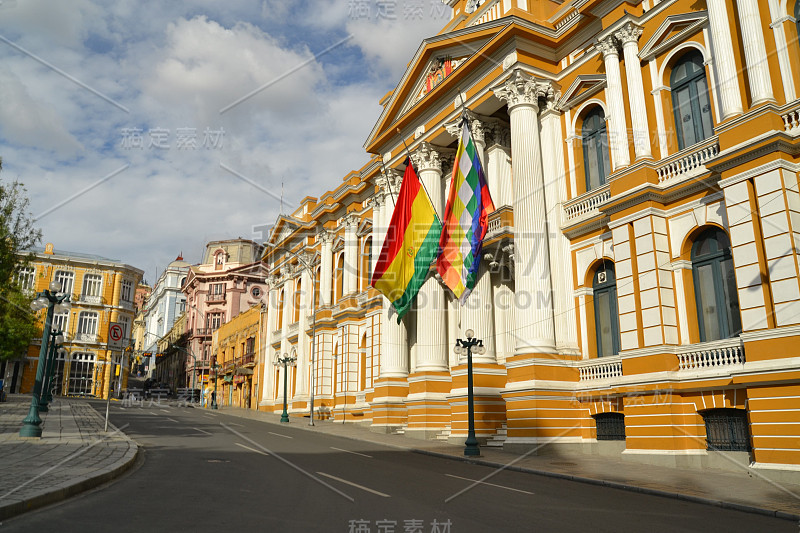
point(116, 333)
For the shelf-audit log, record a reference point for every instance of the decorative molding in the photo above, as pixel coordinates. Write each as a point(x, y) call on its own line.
point(520, 88)
point(663, 38)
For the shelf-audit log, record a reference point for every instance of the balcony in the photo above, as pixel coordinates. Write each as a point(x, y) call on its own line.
point(91, 300)
point(724, 354)
point(202, 365)
point(293, 328)
point(791, 121)
point(218, 298)
point(247, 360)
point(126, 305)
point(202, 332)
point(85, 337)
point(688, 163)
point(586, 205)
point(501, 221)
point(599, 369)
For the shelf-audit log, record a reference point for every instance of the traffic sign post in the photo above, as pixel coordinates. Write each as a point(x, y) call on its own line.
point(116, 336)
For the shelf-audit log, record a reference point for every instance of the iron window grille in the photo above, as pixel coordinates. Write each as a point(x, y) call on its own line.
point(610, 426)
point(727, 430)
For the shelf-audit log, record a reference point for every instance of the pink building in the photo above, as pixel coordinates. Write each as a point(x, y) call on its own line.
point(230, 280)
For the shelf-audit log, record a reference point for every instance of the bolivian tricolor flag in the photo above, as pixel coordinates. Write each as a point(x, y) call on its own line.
point(412, 242)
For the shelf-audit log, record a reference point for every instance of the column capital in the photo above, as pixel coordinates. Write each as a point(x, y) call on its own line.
point(522, 89)
point(608, 47)
point(478, 127)
point(324, 236)
point(350, 220)
point(628, 33)
point(426, 158)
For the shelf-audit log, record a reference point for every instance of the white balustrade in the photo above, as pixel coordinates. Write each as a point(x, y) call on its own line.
point(791, 121)
point(600, 369)
point(687, 164)
point(588, 203)
point(711, 355)
point(491, 11)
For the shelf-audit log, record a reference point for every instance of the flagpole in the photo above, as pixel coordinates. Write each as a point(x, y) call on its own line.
point(411, 162)
point(388, 183)
point(463, 106)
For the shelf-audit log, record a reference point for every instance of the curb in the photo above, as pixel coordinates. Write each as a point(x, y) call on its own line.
point(621, 486)
point(47, 498)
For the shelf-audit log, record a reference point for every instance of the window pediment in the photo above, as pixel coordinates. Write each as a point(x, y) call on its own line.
point(672, 31)
point(583, 88)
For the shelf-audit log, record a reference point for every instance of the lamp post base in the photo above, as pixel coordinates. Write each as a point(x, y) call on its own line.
point(471, 449)
point(31, 426)
point(284, 417)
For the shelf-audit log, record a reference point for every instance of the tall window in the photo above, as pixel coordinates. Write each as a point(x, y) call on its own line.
point(126, 292)
point(92, 284)
point(66, 279)
point(690, 101)
point(26, 279)
point(81, 370)
point(595, 149)
point(606, 316)
point(87, 323)
point(316, 286)
point(61, 321)
point(214, 320)
point(715, 286)
point(279, 322)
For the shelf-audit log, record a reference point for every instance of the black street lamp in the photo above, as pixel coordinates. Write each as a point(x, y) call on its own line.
point(50, 298)
point(471, 447)
point(285, 361)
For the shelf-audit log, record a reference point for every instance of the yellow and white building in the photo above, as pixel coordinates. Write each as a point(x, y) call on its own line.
point(639, 292)
point(101, 291)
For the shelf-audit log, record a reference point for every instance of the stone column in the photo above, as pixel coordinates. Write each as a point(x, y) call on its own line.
point(306, 303)
point(629, 35)
point(326, 272)
point(755, 51)
point(618, 127)
point(351, 262)
point(431, 315)
point(722, 52)
point(288, 306)
point(534, 317)
point(498, 166)
point(555, 192)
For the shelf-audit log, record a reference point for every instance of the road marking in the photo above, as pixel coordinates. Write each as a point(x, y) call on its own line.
point(207, 414)
point(202, 431)
point(279, 435)
point(356, 485)
point(491, 484)
point(251, 449)
point(288, 463)
point(165, 410)
point(172, 420)
point(348, 451)
point(235, 424)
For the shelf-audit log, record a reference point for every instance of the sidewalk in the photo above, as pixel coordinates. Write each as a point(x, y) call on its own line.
point(749, 490)
point(73, 455)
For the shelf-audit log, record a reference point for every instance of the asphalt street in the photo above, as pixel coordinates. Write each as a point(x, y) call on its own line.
point(203, 470)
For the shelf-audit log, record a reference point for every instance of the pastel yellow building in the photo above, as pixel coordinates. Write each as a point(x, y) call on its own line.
point(235, 346)
point(639, 293)
point(102, 292)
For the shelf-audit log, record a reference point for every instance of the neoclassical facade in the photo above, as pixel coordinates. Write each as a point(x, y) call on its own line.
point(101, 292)
point(639, 292)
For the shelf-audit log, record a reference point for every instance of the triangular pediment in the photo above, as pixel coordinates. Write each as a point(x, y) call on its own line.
point(436, 70)
point(364, 228)
point(427, 79)
point(672, 31)
point(583, 88)
point(283, 228)
point(338, 244)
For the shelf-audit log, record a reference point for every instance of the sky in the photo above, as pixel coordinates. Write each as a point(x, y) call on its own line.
point(142, 129)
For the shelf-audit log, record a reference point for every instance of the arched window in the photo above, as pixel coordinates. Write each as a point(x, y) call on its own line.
point(595, 149)
point(715, 286)
point(690, 101)
point(727, 430)
point(606, 316)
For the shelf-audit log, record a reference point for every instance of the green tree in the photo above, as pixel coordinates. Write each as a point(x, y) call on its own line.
point(17, 234)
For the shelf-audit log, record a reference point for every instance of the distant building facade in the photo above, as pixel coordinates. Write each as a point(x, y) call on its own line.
point(102, 292)
point(229, 281)
point(164, 305)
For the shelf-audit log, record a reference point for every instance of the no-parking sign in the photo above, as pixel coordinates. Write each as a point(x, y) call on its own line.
point(116, 334)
